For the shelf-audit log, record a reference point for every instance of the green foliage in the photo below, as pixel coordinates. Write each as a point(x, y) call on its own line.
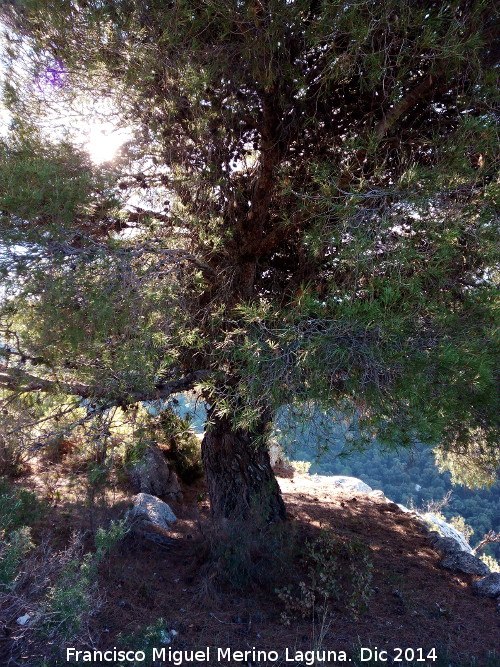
point(145, 639)
point(491, 562)
point(13, 549)
point(71, 599)
point(184, 451)
point(107, 539)
point(458, 522)
point(336, 571)
point(319, 183)
point(474, 466)
point(301, 466)
point(51, 182)
point(19, 509)
point(249, 552)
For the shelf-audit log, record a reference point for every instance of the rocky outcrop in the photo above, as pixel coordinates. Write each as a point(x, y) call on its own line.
point(488, 586)
point(151, 519)
point(378, 494)
point(455, 557)
point(444, 545)
point(153, 476)
point(447, 530)
point(460, 561)
point(343, 482)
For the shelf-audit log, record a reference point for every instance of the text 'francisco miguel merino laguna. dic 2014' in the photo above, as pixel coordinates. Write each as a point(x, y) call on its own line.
point(208, 655)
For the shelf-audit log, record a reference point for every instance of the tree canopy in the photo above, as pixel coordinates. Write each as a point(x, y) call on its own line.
point(315, 222)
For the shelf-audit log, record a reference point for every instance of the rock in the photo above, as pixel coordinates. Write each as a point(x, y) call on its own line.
point(444, 545)
point(151, 512)
point(488, 586)
point(167, 636)
point(405, 509)
point(447, 531)
point(344, 482)
point(153, 476)
point(22, 620)
point(378, 494)
point(276, 454)
point(460, 561)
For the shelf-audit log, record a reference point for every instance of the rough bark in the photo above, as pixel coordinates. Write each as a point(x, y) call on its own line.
point(239, 475)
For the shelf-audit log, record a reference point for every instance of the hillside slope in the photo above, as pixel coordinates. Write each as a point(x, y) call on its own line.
point(413, 603)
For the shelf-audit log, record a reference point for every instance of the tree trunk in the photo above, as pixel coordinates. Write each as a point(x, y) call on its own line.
point(239, 475)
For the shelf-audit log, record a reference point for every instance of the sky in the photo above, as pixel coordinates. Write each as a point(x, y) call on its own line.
point(88, 122)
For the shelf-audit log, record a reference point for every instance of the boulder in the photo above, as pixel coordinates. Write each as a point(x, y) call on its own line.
point(378, 494)
point(444, 545)
point(488, 586)
point(153, 476)
point(447, 531)
point(347, 483)
point(460, 561)
point(151, 512)
point(276, 454)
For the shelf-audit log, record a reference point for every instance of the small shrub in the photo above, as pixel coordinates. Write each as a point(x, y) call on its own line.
point(73, 597)
point(132, 452)
point(184, 450)
point(13, 456)
point(248, 552)
point(458, 522)
point(301, 466)
point(18, 510)
point(145, 639)
point(335, 571)
point(12, 551)
point(107, 539)
point(18, 507)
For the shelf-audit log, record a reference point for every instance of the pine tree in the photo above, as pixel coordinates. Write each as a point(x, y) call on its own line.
point(327, 235)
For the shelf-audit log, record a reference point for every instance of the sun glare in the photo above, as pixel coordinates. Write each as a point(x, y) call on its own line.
point(103, 141)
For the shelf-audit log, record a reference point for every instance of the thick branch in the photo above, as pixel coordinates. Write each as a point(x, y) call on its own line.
point(489, 538)
point(427, 85)
point(20, 381)
point(409, 100)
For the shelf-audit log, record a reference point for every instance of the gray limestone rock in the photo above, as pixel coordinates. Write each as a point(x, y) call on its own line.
point(488, 586)
point(151, 512)
point(378, 494)
point(152, 475)
point(344, 482)
point(444, 545)
point(276, 454)
point(460, 561)
point(447, 530)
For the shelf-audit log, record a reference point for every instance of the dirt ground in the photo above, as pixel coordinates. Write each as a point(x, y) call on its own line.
point(414, 604)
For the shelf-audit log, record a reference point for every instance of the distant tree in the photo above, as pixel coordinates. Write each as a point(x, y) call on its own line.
point(323, 177)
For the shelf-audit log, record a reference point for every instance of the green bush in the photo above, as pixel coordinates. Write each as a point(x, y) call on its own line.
point(15, 546)
point(145, 639)
point(184, 450)
point(335, 571)
point(19, 509)
point(73, 596)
